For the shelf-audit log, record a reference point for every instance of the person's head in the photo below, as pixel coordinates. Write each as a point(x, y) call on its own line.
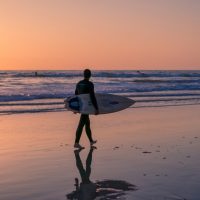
point(87, 73)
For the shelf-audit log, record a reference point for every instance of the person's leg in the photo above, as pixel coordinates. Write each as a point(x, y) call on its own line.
point(80, 128)
point(88, 130)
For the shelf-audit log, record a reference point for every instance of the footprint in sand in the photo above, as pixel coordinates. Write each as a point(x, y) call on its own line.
point(146, 152)
point(115, 148)
point(138, 148)
point(188, 156)
point(157, 174)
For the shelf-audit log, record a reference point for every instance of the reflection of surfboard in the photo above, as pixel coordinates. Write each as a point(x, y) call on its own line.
point(107, 103)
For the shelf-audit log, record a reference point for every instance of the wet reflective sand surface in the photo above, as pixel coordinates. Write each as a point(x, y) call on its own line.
point(144, 153)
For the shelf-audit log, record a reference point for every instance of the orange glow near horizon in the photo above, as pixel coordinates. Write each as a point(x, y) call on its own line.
point(114, 34)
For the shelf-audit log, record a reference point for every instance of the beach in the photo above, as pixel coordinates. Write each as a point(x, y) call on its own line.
point(136, 60)
point(142, 153)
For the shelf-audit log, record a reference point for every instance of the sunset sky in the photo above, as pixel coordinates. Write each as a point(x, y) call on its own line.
point(101, 34)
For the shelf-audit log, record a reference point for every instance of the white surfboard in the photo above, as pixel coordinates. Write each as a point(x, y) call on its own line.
point(107, 103)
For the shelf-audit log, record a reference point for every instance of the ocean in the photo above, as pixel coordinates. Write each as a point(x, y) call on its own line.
point(28, 92)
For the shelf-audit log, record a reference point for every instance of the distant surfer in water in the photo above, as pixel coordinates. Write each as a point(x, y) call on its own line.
point(85, 87)
point(141, 73)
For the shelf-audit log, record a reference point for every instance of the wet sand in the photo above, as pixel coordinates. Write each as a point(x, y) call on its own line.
point(142, 153)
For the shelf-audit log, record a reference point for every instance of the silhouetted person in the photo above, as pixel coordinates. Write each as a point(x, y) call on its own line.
point(85, 87)
point(141, 73)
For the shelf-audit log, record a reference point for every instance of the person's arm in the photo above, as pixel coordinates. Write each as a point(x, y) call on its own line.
point(76, 90)
point(93, 98)
point(76, 93)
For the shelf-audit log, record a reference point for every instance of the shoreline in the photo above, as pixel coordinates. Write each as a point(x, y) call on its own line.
point(59, 102)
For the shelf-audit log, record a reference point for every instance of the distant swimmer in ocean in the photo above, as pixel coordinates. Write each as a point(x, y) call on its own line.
point(85, 87)
point(141, 73)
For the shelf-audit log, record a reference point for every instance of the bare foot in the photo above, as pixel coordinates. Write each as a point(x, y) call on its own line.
point(78, 146)
point(93, 142)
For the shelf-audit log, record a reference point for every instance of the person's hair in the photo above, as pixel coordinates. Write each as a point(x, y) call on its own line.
point(87, 73)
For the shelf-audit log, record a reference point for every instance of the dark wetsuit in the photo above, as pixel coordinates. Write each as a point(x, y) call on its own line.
point(85, 87)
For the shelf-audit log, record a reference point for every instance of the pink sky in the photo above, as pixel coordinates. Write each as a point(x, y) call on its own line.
point(105, 34)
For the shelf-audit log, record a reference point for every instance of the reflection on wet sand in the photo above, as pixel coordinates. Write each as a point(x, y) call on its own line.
point(104, 190)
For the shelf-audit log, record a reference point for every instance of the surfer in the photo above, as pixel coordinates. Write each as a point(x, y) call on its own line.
point(85, 87)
